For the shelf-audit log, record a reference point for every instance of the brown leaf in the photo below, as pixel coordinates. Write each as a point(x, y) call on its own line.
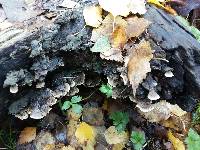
point(119, 37)
point(179, 124)
point(27, 135)
point(138, 64)
point(114, 137)
point(136, 26)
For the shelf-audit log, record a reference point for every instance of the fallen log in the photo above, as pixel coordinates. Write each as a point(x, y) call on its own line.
point(43, 62)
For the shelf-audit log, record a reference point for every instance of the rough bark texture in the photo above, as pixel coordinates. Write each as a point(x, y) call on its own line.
point(47, 61)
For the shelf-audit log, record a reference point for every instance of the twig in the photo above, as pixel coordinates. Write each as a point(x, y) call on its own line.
point(161, 59)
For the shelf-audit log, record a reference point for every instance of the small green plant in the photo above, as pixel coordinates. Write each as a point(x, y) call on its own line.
point(7, 139)
point(196, 116)
point(192, 29)
point(138, 139)
point(106, 89)
point(77, 108)
point(193, 140)
point(120, 120)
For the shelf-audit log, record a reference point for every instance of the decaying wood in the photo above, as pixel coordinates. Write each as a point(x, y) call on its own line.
point(43, 63)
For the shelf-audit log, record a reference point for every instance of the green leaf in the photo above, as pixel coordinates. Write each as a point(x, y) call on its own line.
point(77, 108)
point(193, 140)
point(106, 89)
point(183, 20)
point(196, 115)
point(66, 105)
point(192, 29)
point(101, 45)
point(76, 99)
point(120, 120)
point(138, 139)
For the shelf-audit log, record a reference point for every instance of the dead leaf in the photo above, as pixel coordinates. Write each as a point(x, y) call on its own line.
point(114, 137)
point(123, 8)
point(165, 7)
point(138, 64)
point(68, 148)
point(106, 28)
point(112, 54)
point(85, 133)
point(179, 124)
point(156, 2)
point(71, 129)
point(93, 15)
point(136, 26)
point(49, 147)
point(119, 146)
point(177, 144)
point(119, 37)
point(159, 111)
point(27, 135)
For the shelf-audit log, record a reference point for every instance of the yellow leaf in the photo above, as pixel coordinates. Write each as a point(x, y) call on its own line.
point(167, 8)
point(85, 133)
point(156, 2)
point(138, 64)
point(92, 15)
point(177, 144)
point(119, 37)
point(114, 137)
point(27, 135)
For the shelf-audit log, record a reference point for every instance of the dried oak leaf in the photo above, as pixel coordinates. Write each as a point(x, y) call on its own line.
point(177, 144)
point(112, 136)
point(123, 8)
point(93, 15)
point(159, 111)
point(27, 135)
point(136, 26)
point(138, 64)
